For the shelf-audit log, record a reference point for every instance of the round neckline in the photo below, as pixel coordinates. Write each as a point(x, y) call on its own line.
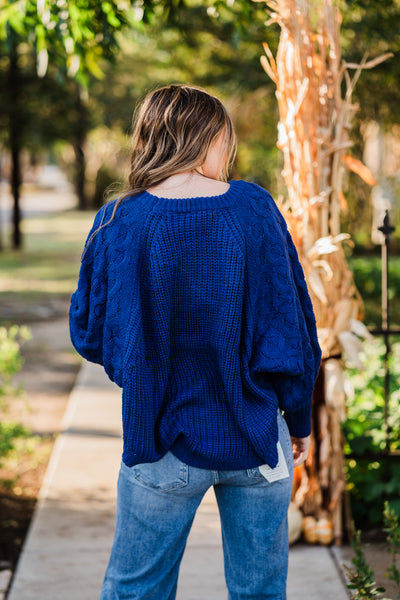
point(195, 203)
point(187, 198)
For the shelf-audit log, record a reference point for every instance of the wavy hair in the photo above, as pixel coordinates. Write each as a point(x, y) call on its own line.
point(173, 130)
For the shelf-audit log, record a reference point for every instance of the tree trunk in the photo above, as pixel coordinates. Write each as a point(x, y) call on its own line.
point(79, 144)
point(15, 143)
point(80, 168)
point(15, 190)
point(1, 216)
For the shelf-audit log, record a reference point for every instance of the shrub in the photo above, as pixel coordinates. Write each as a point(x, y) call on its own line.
point(10, 356)
point(362, 577)
point(10, 363)
point(370, 480)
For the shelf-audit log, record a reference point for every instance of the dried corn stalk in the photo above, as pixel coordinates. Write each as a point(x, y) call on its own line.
point(313, 134)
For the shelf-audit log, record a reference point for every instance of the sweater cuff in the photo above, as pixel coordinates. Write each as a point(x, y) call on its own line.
point(299, 421)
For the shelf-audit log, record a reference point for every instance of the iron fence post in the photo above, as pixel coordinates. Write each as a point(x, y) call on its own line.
point(386, 229)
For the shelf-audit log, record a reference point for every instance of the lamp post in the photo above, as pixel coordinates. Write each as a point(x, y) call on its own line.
point(387, 229)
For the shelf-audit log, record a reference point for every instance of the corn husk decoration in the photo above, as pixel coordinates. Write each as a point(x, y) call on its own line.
point(313, 134)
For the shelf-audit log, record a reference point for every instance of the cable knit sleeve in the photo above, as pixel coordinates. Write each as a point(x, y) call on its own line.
point(88, 302)
point(299, 389)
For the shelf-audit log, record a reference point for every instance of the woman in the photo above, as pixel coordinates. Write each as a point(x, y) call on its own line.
point(192, 297)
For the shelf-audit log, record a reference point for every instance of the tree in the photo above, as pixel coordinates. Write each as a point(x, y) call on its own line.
point(373, 26)
point(217, 44)
point(72, 36)
point(214, 43)
point(217, 49)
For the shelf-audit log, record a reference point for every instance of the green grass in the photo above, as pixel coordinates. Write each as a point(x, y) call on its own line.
point(50, 258)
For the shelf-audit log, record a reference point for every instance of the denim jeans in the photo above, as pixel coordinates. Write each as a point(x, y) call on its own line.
point(156, 506)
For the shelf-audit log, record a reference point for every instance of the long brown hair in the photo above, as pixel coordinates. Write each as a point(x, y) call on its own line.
point(173, 130)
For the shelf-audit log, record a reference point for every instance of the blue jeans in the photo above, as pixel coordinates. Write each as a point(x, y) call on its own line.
point(156, 506)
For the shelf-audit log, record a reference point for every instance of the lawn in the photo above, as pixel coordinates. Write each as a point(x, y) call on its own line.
point(48, 265)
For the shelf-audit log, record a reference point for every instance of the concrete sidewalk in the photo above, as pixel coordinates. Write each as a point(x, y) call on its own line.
point(67, 547)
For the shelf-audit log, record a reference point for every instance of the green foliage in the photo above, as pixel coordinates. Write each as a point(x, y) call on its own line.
point(9, 434)
point(368, 279)
point(369, 26)
point(392, 528)
point(371, 480)
point(362, 577)
point(10, 357)
point(10, 363)
point(365, 408)
point(213, 43)
point(229, 41)
point(72, 35)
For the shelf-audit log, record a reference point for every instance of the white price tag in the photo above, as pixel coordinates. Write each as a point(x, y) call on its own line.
point(277, 473)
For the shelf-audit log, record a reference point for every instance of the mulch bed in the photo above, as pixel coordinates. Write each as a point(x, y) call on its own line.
point(19, 489)
point(15, 515)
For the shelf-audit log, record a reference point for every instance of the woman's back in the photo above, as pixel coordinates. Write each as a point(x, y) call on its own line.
point(198, 312)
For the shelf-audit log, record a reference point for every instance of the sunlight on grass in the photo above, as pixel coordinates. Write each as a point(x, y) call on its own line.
point(50, 259)
point(65, 286)
point(60, 232)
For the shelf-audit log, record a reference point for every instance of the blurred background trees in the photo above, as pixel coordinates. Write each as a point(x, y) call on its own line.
point(71, 73)
point(48, 52)
point(373, 27)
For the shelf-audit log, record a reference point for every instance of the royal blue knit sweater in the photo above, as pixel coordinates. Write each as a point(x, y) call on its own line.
point(198, 308)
